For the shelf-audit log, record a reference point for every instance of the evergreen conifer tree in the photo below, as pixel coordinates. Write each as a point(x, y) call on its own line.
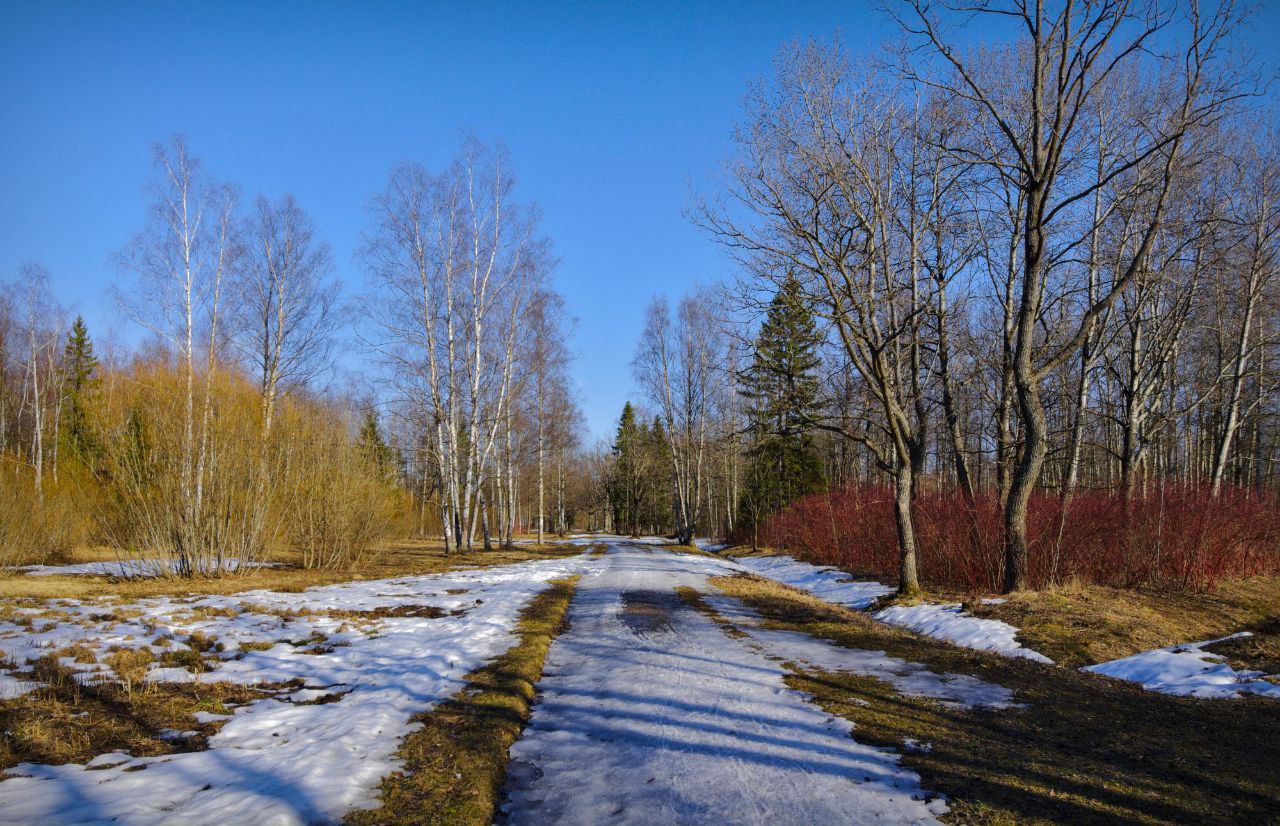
point(629, 466)
point(80, 366)
point(782, 392)
point(382, 455)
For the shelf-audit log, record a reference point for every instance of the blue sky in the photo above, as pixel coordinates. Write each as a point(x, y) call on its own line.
point(612, 112)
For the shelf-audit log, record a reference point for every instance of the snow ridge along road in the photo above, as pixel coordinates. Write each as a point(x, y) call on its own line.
point(649, 713)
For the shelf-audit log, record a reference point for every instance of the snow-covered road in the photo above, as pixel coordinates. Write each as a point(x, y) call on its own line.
point(649, 713)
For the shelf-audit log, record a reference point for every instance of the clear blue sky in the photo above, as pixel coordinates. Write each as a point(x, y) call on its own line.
point(612, 111)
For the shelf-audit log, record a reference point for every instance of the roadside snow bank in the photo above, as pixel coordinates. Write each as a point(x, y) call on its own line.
point(823, 581)
point(276, 760)
point(940, 621)
point(1188, 671)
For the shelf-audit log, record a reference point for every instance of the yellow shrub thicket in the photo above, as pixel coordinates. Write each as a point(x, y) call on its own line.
point(341, 504)
point(190, 503)
point(39, 527)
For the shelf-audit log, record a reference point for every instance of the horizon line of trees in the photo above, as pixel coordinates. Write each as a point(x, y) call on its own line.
point(220, 438)
point(1046, 264)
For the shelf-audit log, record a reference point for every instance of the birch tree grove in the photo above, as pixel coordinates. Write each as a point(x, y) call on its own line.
point(1046, 265)
point(180, 263)
point(456, 263)
point(675, 364)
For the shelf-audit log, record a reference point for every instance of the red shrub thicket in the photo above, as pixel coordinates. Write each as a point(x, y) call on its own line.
point(1175, 536)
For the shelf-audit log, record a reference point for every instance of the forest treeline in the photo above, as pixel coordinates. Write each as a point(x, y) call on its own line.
point(1043, 272)
point(221, 439)
point(1005, 314)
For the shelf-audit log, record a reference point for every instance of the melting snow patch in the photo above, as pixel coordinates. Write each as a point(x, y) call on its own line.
point(11, 686)
point(948, 622)
point(203, 717)
point(911, 679)
point(941, 621)
point(276, 760)
point(111, 758)
point(1189, 671)
point(824, 582)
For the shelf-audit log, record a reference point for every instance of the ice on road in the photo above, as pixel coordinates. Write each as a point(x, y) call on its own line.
point(649, 713)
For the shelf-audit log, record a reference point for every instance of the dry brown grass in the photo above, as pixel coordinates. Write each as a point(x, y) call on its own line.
point(1081, 625)
point(745, 551)
point(456, 763)
point(1083, 749)
point(1078, 624)
point(690, 549)
point(64, 721)
point(403, 558)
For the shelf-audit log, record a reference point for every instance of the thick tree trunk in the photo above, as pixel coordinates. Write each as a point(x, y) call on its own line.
point(1030, 407)
point(908, 579)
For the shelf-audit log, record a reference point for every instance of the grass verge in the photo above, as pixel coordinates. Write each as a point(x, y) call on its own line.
point(1079, 625)
point(455, 765)
point(1082, 749)
point(408, 558)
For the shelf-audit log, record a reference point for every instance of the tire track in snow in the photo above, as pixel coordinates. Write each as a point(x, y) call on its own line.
point(677, 722)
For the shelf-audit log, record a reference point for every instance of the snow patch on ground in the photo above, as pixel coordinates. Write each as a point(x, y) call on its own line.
point(11, 686)
point(276, 761)
point(1189, 671)
point(946, 621)
point(941, 621)
point(823, 581)
point(909, 678)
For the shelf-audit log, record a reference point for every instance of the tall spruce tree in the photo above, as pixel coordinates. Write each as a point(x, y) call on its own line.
point(628, 486)
point(659, 507)
point(375, 447)
point(782, 392)
point(80, 367)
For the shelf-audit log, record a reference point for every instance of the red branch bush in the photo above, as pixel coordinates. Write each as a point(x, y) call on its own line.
point(1175, 536)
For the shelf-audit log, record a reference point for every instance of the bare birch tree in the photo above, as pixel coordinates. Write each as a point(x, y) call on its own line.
point(180, 262)
point(455, 261)
point(674, 365)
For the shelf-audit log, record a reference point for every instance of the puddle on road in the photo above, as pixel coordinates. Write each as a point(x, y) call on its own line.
point(649, 612)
